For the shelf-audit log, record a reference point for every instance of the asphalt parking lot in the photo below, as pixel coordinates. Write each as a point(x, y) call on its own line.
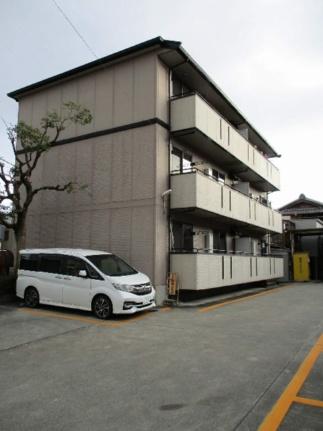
point(252, 363)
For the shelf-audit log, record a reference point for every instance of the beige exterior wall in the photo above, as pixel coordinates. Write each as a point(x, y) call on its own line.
point(116, 95)
point(121, 209)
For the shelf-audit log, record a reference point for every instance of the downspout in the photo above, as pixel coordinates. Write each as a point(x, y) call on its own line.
point(169, 163)
point(169, 178)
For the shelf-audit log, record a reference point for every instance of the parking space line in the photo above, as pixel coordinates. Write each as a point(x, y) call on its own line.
point(289, 396)
point(165, 309)
point(92, 321)
point(309, 402)
point(246, 298)
point(52, 314)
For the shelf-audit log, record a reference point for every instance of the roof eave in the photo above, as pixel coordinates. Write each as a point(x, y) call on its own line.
point(157, 41)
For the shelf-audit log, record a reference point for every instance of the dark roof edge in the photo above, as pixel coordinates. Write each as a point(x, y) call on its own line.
point(101, 61)
point(300, 200)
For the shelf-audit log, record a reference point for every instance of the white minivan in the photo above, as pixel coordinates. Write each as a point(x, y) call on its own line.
point(83, 279)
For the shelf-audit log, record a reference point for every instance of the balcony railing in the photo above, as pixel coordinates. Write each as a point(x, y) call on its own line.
point(192, 112)
point(195, 190)
point(198, 271)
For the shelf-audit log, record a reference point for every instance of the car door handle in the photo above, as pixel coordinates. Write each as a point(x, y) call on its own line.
point(59, 277)
point(66, 278)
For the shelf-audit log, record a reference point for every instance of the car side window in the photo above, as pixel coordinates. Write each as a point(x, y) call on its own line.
point(29, 262)
point(93, 273)
point(50, 263)
point(73, 265)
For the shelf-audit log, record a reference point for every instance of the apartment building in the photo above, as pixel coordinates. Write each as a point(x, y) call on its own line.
point(178, 179)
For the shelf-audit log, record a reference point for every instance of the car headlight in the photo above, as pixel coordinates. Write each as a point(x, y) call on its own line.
point(123, 287)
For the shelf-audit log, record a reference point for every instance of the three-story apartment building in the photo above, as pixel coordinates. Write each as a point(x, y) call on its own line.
point(178, 179)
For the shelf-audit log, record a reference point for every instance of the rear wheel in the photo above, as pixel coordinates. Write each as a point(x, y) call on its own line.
point(31, 297)
point(102, 307)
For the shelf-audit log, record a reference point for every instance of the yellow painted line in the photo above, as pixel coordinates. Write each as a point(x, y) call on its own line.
point(280, 409)
point(246, 298)
point(51, 314)
point(134, 317)
point(165, 309)
point(92, 321)
point(309, 402)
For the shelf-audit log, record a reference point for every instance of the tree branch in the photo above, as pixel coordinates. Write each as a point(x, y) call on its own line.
point(57, 188)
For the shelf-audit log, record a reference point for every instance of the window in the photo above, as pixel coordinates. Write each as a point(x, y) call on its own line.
point(221, 178)
point(50, 263)
point(181, 162)
point(178, 88)
point(218, 176)
point(111, 264)
point(73, 265)
point(93, 273)
point(29, 262)
point(182, 236)
point(215, 174)
point(176, 161)
point(219, 241)
point(186, 162)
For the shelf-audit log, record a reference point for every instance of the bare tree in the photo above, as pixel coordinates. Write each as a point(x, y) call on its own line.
point(28, 144)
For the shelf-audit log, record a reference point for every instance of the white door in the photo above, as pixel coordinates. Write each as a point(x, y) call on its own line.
point(76, 289)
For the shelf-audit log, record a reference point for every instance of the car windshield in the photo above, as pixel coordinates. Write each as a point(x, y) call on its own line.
point(111, 264)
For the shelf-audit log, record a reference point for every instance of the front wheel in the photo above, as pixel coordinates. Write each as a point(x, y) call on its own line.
point(102, 307)
point(31, 297)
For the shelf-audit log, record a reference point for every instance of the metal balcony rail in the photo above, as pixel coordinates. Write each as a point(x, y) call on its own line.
point(195, 250)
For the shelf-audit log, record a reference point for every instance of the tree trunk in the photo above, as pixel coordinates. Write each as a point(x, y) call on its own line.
point(20, 235)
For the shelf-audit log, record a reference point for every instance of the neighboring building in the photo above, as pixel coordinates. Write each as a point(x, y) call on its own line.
point(159, 123)
point(303, 231)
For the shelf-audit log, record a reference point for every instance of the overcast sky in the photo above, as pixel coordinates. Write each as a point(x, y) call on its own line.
point(266, 55)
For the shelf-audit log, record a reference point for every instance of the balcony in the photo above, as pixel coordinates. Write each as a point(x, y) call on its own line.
point(208, 270)
point(203, 195)
point(201, 128)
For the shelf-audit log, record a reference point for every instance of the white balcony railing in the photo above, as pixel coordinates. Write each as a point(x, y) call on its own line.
point(208, 271)
point(194, 112)
point(196, 190)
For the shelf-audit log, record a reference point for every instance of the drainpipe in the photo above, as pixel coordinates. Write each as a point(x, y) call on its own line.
point(169, 161)
point(169, 178)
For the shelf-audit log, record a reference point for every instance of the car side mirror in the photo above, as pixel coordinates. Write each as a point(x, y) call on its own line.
point(83, 273)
